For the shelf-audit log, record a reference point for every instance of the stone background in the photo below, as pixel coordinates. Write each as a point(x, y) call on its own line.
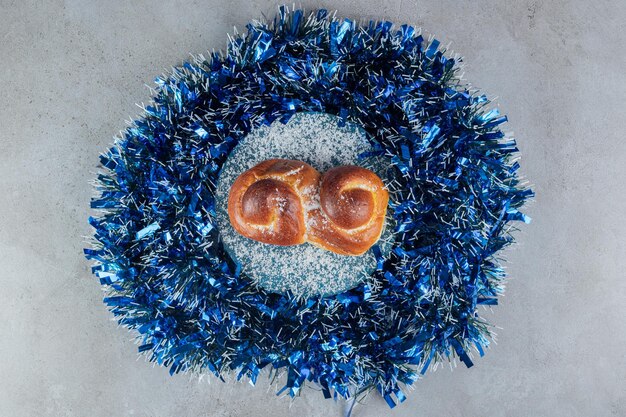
point(70, 73)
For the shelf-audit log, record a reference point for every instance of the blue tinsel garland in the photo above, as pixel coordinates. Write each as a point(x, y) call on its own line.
point(159, 254)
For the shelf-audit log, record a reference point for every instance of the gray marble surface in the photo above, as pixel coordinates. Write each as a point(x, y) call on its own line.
point(71, 72)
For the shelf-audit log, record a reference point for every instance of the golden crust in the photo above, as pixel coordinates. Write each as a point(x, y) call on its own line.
point(266, 202)
point(353, 205)
point(276, 202)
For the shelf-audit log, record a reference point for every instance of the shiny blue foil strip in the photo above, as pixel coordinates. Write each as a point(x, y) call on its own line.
point(456, 190)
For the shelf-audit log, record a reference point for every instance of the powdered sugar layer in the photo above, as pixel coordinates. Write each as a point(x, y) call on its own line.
point(317, 139)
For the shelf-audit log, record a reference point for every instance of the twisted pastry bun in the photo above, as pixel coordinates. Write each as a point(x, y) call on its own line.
point(351, 214)
point(268, 202)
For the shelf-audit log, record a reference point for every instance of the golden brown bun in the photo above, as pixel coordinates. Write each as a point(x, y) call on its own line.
point(286, 202)
point(267, 203)
point(351, 216)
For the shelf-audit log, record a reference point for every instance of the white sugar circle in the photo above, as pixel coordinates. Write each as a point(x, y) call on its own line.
point(306, 270)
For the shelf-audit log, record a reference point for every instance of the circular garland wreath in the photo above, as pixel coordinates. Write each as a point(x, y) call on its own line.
point(456, 190)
